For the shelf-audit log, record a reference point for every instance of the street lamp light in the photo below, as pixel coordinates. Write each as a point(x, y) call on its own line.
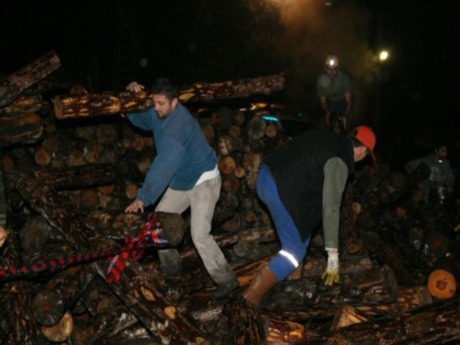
point(383, 55)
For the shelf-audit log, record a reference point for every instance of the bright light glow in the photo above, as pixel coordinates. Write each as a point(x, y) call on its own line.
point(270, 118)
point(383, 55)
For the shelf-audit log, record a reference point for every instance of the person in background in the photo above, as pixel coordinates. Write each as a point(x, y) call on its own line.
point(441, 181)
point(334, 90)
point(302, 184)
point(185, 170)
point(336, 123)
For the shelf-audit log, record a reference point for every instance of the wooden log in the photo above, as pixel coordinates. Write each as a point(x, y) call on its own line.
point(12, 86)
point(156, 313)
point(249, 324)
point(254, 251)
point(103, 326)
point(376, 286)
point(87, 105)
point(16, 303)
point(389, 256)
point(84, 176)
point(251, 163)
point(315, 267)
point(115, 225)
point(241, 323)
point(61, 331)
point(409, 299)
point(225, 145)
point(60, 293)
point(227, 165)
point(304, 299)
point(34, 233)
point(134, 335)
point(256, 128)
point(209, 133)
point(66, 107)
point(24, 105)
point(230, 184)
point(24, 128)
point(233, 89)
point(234, 224)
point(43, 156)
point(225, 208)
point(437, 323)
point(109, 316)
point(238, 118)
point(347, 315)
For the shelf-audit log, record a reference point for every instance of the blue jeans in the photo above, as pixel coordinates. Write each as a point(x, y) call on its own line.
point(293, 250)
point(338, 106)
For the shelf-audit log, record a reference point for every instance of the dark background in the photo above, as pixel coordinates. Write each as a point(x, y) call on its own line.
point(105, 44)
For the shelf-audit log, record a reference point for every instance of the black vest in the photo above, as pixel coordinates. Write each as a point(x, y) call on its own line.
point(298, 169)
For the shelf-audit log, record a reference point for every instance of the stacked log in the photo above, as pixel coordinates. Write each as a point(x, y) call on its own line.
point(13, 85)
point(67, 184)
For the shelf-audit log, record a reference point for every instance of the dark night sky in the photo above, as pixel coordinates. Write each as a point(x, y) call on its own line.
point(229, 39)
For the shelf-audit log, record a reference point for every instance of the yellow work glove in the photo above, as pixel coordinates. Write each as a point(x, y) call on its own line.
point(331, 275)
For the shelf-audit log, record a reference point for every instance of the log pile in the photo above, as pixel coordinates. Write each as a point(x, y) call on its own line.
point(68, 182)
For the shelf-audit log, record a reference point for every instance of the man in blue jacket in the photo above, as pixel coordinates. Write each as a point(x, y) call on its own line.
point(302, 184)
point(185, 169)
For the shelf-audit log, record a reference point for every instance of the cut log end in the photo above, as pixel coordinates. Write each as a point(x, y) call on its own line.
point(58, 107)
point(61, 331)
point(48, 308)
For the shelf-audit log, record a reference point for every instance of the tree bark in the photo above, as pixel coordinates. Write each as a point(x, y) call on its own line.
point(24, 128)
point(436, 324)
point(25, 104)
point(12, 86)
point(84, 176)
point(16, 304)
point(66, 107)
point(140, 294)
point(60, 293)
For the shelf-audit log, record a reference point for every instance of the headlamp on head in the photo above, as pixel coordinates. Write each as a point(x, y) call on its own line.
point(331, 62)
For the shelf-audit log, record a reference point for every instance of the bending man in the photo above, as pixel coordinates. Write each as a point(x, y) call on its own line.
point(302, 183)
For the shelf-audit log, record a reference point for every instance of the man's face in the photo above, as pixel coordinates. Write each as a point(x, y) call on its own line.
point(331, 71)
point(163, 106)
point(442, 153)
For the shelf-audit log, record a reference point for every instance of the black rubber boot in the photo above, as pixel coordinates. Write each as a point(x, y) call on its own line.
point(224, 289)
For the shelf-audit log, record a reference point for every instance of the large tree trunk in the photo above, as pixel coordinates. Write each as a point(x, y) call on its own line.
point(12, 86)
point(66, 107)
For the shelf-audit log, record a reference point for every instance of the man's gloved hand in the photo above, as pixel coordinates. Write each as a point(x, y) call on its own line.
point(331, 275)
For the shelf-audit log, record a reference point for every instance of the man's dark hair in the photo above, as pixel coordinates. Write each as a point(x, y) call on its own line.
point(164, 86)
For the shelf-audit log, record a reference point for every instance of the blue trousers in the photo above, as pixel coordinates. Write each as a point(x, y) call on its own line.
point(293, 250)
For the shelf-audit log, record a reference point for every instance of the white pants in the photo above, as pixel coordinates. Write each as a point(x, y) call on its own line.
point(202, 200)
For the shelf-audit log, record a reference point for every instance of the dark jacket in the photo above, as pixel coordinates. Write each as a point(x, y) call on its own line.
point(298, 169)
